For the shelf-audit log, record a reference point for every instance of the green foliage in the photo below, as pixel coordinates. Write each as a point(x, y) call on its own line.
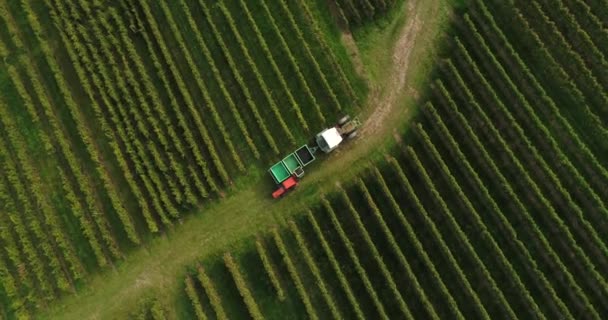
point(354, 13)
point(242, 286)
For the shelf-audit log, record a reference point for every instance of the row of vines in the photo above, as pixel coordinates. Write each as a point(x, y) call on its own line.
point(355, 13)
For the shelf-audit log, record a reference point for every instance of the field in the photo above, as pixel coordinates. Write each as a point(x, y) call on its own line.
point(477, 188)
point(492, 206)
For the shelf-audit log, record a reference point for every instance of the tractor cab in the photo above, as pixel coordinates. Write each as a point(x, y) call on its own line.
point(329, 139)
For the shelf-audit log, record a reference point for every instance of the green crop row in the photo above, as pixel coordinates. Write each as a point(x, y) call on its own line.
point(195, 147)
point(557, 72)
point(270, 269)
point(142, 120)
point(193, 297)
point(262, 42)
point(75, 50)
point(252, 64)
point(176, 166)
point(293, 273)
point(20, 225)
point(41, 93)
point(589, 22)
point(354, 214)
point(314, 268)
point(30, 192)
point(579, 39)
point(239, 78)
point(419, 247)
point(84, 132)
point(294, 63)
point(562, 158)
point(149, 309)
point(485, 233)
point(319, 36)
point(396, 249)
point(212, 294)
point(349, 12)
point(185, 93)
point(548, 101)
point(218, 78)
point(489, 165)
point(121, 120)
point(354, 13)
point(310, 55)
point(547, 137)
point(144, 78)
point(49, 214)
point(85, 221)
point(462, 236)
point(188, 136)
point(134, 147)
point(344, 282)
point(591, 91)
point(201, 85)
point(10, 289)
point(243, 287)
point(504, 148)
point(563, 50)
point(405, 183)
point(353, 255)
point(91, 59)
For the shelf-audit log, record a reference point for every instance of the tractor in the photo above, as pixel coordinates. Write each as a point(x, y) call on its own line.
point(287, 172)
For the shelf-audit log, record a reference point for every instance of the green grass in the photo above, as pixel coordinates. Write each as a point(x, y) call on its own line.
point(374, 38)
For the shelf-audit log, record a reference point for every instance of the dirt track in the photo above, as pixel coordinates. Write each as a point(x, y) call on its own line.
point(385, 99)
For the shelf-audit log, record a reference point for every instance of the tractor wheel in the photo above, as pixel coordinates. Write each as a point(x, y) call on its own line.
point(351, 135)
point(343, 120)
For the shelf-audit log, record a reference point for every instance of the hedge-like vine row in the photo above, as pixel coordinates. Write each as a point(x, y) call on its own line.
point(530, 262)
point(314, 268)
point(84, 132)
point(419, 247)
point(200, 126)
point(254, 68)
point(396, 249)
point(243, 287)
point(194, 300)
point(212, 294)
point(294, 63)
point(563, 159)
point(294, 274)
point(239, 78)
point(353, 213)
point(262, 42)
point(218, 78)
point(353, 256)
point(344, 282)
point(270, 269)
point(504, 148)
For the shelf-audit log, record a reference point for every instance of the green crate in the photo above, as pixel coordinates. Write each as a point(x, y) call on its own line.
point(291, 162)
point(279, 172)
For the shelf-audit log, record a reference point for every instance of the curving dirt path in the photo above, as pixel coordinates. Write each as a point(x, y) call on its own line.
point(384, 100)
point(159, 266)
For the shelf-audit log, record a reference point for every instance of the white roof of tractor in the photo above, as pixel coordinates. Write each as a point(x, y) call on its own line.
point(332, 137)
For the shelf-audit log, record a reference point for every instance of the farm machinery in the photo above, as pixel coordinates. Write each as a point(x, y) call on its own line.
point(287, 172)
